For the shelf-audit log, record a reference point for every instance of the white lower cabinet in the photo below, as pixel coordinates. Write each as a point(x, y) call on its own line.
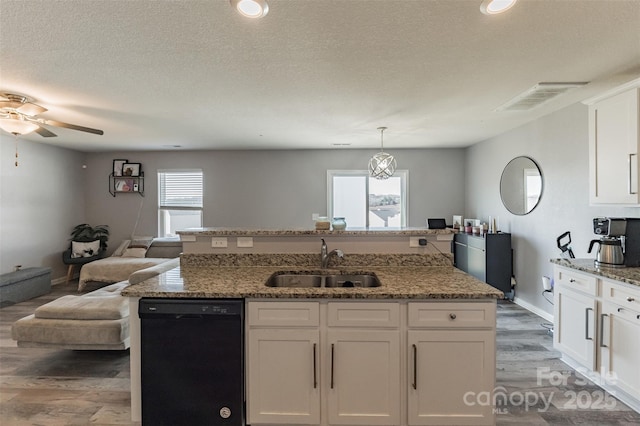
point(620, 348)
point(364, 377)
point(282, 363)
point(577, 314)
point(451, 363)
point(597, 330)
point(284, 387)
point(369, 363)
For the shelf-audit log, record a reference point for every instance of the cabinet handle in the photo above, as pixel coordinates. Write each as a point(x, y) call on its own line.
point(315, 368)
point(602, 345)
point(586, 323)
point(619, 309)
point(630, 299)
point(452, 316)
point(415, 366)
point(630, 182)
point(572, 280)
point(332, 366)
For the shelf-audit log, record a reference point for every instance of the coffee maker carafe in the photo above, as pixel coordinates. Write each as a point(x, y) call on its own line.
point(610, 252)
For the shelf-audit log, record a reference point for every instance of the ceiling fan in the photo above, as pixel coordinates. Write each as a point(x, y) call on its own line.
point(18, 116)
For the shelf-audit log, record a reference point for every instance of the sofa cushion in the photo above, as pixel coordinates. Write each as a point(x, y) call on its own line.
point(145, 274)
point(102, 304)
point(61, 332)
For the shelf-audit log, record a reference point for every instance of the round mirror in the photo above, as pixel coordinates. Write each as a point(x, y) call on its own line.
point(521, 185)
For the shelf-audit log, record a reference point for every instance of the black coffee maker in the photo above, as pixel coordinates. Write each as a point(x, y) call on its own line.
point(632, 243)
point(610, 253)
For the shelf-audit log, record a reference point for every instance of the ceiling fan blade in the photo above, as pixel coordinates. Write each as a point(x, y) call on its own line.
point(44, 132)
point(71, 126)
point(30, 109)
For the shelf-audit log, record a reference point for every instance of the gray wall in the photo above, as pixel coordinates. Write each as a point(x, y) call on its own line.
point(559, 144)
point(268, 189)
point(41, 201)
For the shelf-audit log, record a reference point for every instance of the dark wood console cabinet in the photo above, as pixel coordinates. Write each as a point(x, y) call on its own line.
point(488, 258)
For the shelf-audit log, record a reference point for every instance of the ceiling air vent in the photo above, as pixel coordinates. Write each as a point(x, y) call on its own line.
point(537, 95)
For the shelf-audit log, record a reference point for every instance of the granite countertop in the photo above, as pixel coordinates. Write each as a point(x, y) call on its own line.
point(626, 275)
point(398, 282)
point(351, 232)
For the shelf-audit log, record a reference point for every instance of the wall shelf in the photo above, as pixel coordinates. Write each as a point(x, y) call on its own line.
point(126, 184)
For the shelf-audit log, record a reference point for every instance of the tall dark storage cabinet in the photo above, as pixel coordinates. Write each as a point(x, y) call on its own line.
point(488, 258)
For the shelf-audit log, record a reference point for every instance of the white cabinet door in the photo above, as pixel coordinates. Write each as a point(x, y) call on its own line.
point(283, 381)
point(575, 325)
point(613, 149)
point(620, 348)
point(448, 370)
point(363, 377)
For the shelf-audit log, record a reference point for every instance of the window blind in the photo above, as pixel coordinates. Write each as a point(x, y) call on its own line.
point(181, 189)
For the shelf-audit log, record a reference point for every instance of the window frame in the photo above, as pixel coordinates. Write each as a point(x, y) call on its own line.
point(404, 193)
point(162, 209)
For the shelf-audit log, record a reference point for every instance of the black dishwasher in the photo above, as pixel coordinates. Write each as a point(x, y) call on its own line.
point(192, 361)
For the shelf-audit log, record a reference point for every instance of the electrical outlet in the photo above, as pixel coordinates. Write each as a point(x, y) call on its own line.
point(220, 242)
point(415, 241)
point(245, 242)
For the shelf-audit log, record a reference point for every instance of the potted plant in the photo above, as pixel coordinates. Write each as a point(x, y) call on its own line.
point(86, 232)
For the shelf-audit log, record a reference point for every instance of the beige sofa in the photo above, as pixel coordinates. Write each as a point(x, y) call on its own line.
point(118, 268)
point(95, 320)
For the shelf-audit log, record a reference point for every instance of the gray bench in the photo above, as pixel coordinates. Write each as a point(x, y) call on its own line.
point(24, 284)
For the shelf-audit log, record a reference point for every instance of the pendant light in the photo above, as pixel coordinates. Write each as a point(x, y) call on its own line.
point(382, 165)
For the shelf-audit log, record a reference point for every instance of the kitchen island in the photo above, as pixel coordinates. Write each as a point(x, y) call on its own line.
point(418, 349)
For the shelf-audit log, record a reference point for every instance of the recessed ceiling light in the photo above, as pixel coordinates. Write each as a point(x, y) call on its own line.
point(493, 7)
point(251, 8)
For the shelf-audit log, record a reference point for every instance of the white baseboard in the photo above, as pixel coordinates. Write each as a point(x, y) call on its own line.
point(533, 309)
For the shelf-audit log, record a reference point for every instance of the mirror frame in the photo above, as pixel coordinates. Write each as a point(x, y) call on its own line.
point(503, 186)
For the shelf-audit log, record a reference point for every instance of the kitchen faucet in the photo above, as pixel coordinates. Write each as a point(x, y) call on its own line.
point(326, 256)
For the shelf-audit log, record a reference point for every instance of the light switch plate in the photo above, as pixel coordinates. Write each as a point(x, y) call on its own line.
point(245, 242)
point(219, 242)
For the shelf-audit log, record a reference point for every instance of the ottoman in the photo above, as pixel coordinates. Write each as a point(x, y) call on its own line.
point(95, 320)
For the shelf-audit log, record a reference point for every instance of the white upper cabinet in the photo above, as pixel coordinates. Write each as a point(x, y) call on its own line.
point(613, 148)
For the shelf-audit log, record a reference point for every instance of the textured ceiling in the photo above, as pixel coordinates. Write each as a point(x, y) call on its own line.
point(311, 74)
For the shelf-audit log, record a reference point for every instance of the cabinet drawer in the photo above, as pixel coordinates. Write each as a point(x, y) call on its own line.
point(295, 314)
point(576, 281)
point(625, 297)
point(366, 315)
point(452, 315)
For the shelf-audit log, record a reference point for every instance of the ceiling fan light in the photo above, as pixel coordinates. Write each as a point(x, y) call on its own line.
point(493, 7)
point(17, 126)
point(251, 8)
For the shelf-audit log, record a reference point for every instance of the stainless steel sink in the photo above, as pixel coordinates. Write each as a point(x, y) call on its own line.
point(355, 280)
point(295, 280)
point(312, 279)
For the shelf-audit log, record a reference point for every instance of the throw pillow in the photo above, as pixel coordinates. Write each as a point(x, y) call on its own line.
point(89, 249)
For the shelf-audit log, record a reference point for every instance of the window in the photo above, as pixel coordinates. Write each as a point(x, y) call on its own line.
point(179, 200)
point(365, 202)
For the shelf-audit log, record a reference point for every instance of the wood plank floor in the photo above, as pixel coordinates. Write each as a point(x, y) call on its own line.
point(52, 387)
